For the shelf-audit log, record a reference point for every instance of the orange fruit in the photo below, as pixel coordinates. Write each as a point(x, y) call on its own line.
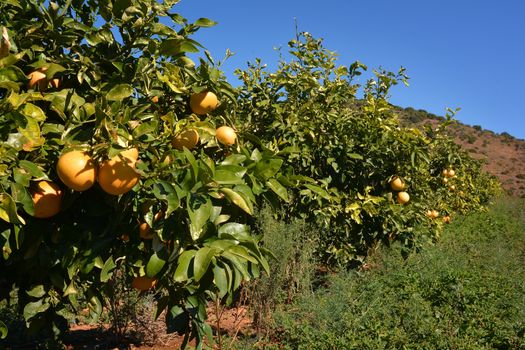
point(203, 102)
point(451, 173)
point(155, 99)
point(47, 199)
point(397, 184)
point(435, 214)
point(447, 219)
point(445, 180)
point(132, 154)
point(143, 283)
point(402, 197)
point(452, 187)
point(55, 83)
point(38, 79)
point(117, 175)
point(145, 231)
point(226, 135)
point(187, 138)
point(77, 170)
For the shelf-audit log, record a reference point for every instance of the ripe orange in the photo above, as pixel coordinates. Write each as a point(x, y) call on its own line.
point(117, 175)
point(155, 99)
point(77, 170)
point(402, 197)
point(131, 154)
point(38, 79)
point(145, 231)
point(143, 283)
point(55, 83)
point(445, 172)
point(187, 138)
point(47, 199)
point(451, 173)
point(452, 187)
point(435, 214)
point(447, 219)
point(444, 180)
point(203, 102)
point(397, 184)
point(226, 135)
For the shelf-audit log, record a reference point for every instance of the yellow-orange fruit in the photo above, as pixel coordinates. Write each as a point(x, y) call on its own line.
point(188, 138)
point(447, 219)
point(131, 154)
point(226, 135)
point(452, 187)
point(55, 83)
point(445, 180)
point(77, 170)
point(155, 99)
point(435, 214)
point(117, 175)
point(402, 197)
point(38, 79)
point(47, 199)
point(143, 283)
point(451, 173)
point(397, 184)
point(203, 102)
point(145, 230)
point(445, 172)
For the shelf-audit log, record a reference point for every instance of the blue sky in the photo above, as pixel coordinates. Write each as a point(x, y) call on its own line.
point(458, 53)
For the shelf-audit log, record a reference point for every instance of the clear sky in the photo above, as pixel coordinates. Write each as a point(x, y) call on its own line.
point(458, 53)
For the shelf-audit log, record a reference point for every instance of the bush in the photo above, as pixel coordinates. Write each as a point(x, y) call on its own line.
point(466, 293)
point(292, 267)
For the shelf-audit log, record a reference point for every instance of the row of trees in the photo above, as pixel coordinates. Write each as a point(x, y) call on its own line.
point(183, 161)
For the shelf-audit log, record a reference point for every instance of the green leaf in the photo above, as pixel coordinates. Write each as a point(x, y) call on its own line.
point(238, 200)
point(174, 47)
point(34, 308)
point(37, 292)
point(33, 170)
point(3, 330)
point(220, 278)
point(163, 190)
point(318, 190)
point(226, 177)
point(183, 264)
point(155, 264)
point(107, 269)
point(278, 189)
point(8, 211)
point(354, 156)
point(204, 22)
point(34, 112)
point(119, 92)
point(235, 230)
point(200, 210)
point(202, 262)
point(267, 168)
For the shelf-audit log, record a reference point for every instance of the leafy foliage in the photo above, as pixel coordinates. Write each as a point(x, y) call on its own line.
point(116, 76)
point(343, 151)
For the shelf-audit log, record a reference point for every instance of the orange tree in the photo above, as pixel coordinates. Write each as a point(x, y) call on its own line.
point(104, 90)
point(347, 151)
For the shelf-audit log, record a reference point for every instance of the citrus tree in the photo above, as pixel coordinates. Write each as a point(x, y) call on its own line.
point(119, 154)
point(361, 176)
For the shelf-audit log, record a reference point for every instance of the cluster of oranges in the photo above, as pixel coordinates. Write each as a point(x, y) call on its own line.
point(398, 185)
point(79, 171)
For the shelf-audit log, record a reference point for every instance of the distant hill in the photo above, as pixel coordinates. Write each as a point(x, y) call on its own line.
point(504, 155)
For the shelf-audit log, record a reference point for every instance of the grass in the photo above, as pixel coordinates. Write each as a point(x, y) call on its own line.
point(466, 292)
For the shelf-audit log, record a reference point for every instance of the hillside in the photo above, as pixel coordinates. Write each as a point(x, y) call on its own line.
point(503, 154)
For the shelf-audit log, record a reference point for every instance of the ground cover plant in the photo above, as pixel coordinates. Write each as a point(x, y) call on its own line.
point(467, 292)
